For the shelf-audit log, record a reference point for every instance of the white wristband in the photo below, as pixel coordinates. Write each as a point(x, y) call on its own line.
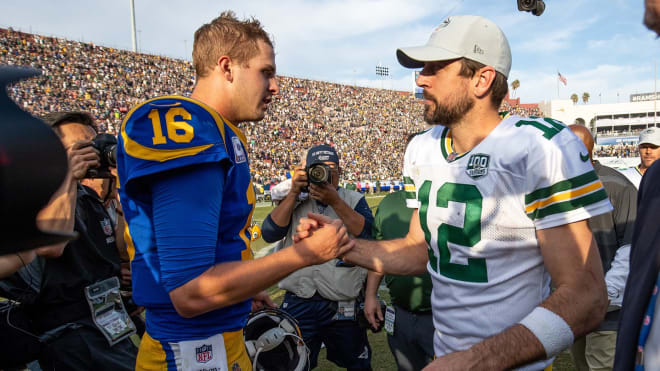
point(552, 331)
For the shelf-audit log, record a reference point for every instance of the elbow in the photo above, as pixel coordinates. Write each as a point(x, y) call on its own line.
point(598, 307)
point(186, 307)
point(186, 304)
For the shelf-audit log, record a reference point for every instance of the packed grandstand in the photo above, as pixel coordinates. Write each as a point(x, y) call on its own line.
point(368, 126)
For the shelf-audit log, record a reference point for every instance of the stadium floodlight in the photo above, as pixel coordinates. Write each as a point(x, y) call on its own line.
point(382, 71)
point(536, 7)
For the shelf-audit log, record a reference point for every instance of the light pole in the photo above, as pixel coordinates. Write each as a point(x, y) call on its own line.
point(132, 3)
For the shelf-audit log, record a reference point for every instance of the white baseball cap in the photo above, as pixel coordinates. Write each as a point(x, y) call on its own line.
point(650, 136)
point(464, 36)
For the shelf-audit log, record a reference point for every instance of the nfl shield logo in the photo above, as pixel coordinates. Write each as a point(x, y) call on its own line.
point(478, 165)
point(204, 353)
point(236, 367)
point(107, 226)
point(239, 154)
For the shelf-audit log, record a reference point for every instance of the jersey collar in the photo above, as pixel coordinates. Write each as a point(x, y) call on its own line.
point(447, 146)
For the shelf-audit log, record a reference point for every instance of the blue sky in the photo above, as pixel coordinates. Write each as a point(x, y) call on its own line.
point(600, 46)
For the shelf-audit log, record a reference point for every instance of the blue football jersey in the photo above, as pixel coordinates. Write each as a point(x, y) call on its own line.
point(168, 133)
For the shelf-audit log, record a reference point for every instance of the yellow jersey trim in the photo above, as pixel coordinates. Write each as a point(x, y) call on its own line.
point(563, 196)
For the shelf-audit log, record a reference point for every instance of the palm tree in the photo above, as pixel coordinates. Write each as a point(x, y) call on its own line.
point(585, 97)
point(574, 98)
point(515, 85)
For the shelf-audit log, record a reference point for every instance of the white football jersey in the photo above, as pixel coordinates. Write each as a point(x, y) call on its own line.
point(633, 174)
point(480, 211)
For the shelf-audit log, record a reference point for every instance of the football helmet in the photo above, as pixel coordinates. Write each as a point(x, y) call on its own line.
point(274, 342)
point(255, 232)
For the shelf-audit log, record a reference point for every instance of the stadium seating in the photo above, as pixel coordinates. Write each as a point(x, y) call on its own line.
point(368, 126)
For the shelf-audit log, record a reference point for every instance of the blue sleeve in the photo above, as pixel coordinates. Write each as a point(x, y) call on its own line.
point(363, 209)
point(272, 232)
point(186, 210)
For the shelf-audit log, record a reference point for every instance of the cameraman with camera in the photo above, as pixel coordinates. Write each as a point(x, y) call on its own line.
point(324, 298)
point(76, 313)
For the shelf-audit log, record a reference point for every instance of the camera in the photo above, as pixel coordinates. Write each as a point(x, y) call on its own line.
point(106, 144)
point(536, 7)
point(318, 173)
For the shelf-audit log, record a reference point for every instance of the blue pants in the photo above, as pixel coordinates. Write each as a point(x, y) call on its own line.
point(345, 341)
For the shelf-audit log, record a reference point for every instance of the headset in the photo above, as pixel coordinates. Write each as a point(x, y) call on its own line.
point(274, 342)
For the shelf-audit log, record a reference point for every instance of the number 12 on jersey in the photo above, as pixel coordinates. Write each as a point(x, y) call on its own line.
point(475, 270)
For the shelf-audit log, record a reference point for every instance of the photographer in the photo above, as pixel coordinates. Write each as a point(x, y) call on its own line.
point(323, 297)
point(81, 338)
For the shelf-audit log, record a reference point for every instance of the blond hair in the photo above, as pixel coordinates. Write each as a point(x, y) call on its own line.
point(226, 35)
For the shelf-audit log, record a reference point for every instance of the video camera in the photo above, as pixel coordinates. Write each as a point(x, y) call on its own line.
point(33, 165)
point(106, 144)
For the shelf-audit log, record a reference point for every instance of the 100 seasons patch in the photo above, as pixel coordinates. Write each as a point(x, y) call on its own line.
point(478, 165)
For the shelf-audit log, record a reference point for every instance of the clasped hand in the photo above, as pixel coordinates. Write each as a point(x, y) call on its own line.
point(320, 238)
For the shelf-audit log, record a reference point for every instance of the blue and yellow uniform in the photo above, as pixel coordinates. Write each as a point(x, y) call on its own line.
point(185, 188)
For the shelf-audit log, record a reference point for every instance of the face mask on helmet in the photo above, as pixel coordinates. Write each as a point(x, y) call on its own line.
point(274, 342)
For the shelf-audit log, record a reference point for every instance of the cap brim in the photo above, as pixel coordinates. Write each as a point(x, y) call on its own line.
point(415, 56)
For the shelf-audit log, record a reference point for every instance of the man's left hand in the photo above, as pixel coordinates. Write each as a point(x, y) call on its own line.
point(326, 193)
point(262, 300)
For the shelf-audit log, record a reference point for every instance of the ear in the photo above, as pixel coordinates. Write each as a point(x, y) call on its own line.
point(224, 66)
point(482, 81)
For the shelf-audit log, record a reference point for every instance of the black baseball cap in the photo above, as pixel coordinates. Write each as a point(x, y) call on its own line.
point(321, 153)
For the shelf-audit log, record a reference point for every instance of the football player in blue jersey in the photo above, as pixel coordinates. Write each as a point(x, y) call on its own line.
point(185, 188)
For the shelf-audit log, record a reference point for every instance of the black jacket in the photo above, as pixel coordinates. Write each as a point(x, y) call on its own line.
point(644, 267)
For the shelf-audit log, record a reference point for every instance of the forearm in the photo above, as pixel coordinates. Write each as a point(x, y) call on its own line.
point(226, 284)
point(401, 256)
point(59, 215)
point(12, 262)
point(351, 218)
point(616, 277)
point(281, 215)
point(582, 301)
point(373, 281)
point(513, 347)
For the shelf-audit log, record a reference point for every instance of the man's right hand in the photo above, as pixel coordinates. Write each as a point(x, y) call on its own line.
point(298, 180)
point(326, 240)
point(82, 156)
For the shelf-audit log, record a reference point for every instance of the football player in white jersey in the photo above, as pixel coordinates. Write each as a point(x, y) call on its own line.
point(649, 152)
point(501, 208)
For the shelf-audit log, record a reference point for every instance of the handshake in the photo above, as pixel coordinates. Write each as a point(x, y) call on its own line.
point(319, 239)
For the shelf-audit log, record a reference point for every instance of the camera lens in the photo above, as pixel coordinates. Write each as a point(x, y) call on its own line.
point(317, 174)
point(111, 155)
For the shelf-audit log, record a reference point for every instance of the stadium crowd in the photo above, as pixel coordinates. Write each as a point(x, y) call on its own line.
point(617, 150)
point(364, 124)
point(519, 110)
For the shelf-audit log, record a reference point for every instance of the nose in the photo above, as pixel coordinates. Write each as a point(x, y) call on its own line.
point(273, 87)
point(421, 81)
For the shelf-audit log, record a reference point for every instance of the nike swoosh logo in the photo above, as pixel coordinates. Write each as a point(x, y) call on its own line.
point(165, 105)
point(584, 158)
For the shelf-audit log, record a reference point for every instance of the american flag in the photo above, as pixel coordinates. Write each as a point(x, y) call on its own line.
point(561, 78)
